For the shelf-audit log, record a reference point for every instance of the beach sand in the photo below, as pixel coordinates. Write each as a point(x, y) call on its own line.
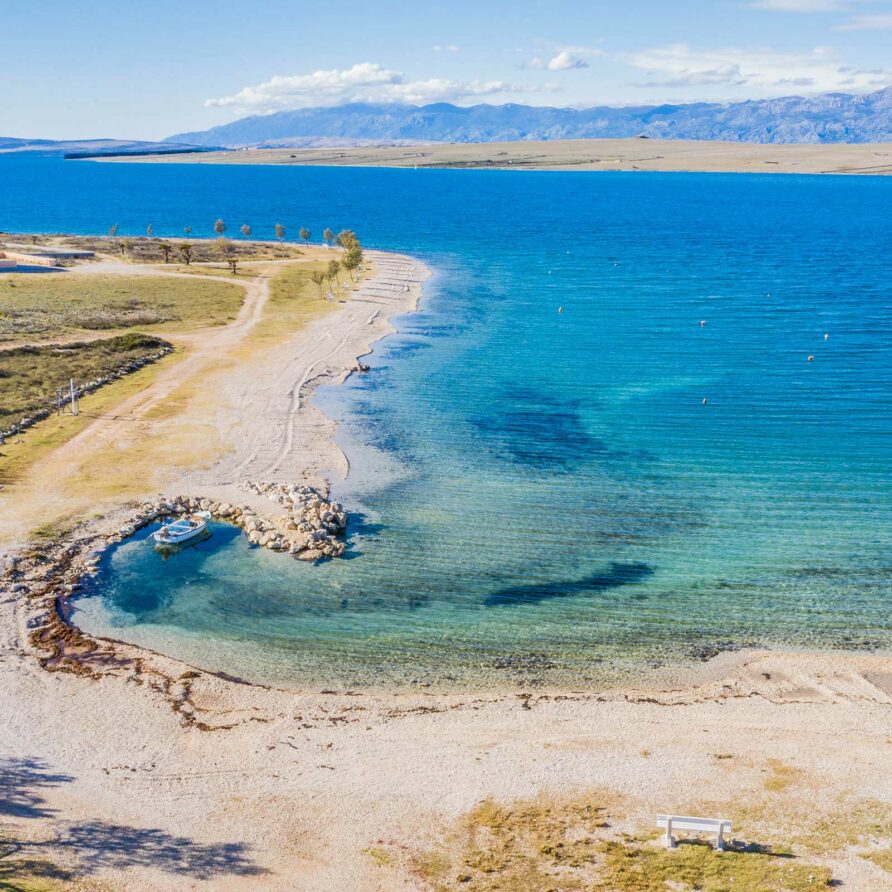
point(576, 154)
point(137, 772)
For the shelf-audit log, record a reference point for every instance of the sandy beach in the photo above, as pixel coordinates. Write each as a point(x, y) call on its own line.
point(127, 770)
point(575, 154)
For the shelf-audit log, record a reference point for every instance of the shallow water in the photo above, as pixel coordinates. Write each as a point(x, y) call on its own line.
point(544, 497)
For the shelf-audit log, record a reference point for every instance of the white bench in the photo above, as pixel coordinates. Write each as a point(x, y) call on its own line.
point(699, 825)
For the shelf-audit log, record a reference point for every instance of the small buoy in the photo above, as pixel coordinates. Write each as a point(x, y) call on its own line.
point(811, 359)
point(826, 336)
point(705, 401)
point(702, 323)
point(768, 295)
point(560, 309)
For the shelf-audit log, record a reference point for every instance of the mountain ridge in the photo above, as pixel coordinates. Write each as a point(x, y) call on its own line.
point(825, 118)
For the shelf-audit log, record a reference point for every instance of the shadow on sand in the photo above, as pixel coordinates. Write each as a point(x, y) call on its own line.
point(94, 846)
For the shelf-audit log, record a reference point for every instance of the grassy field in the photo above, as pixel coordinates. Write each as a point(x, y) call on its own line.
point(294, 300)
point(46, 305)
point(20, 453)
point(29, 375)
point(565, 844)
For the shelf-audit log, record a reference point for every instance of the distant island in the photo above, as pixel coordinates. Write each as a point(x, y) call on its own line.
point(826, 118)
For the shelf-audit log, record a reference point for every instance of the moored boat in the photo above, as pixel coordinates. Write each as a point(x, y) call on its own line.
point(182, 530)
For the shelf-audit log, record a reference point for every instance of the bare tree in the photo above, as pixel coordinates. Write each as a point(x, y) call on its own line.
point(305, 234)
point(246, 230)
point(280, 231)
point(219, 227)
point(150, 230)
point(186, 251)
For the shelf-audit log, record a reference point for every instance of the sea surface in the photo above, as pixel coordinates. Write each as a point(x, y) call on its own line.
point(599, 451)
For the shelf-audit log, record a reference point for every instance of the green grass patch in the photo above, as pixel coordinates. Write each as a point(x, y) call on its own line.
point(570, 845)
point(46, 305)
point(20, 873)
point(628, 867)
point(29, 376)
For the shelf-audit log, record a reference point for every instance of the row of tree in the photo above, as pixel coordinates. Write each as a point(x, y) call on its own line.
point(345, 239)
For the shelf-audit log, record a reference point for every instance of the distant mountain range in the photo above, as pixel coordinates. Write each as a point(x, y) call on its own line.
point(827, 118)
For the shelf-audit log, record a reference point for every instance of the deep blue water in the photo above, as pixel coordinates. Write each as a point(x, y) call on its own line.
point(542, 495)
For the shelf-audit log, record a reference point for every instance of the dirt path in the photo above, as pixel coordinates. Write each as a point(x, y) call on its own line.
point(255, 418)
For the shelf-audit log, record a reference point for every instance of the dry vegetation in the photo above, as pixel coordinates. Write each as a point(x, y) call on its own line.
point(47, 305)
point(782, 844)
point(148, 250)
point(29, 375)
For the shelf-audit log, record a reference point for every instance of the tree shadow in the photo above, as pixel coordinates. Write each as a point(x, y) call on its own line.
point(100, 845)
point(21, 782)
point(97, 845)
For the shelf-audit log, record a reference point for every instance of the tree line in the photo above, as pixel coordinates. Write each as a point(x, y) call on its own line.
point(346, 239)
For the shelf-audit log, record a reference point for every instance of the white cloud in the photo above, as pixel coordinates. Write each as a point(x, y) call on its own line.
point(800, 5)
point(365, 82)
point(762, 73)
point(868, 23)
point(565, 60)
point(446, 48)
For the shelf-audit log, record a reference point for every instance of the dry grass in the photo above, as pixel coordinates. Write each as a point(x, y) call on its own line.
point(570, 845)
point(781, 777)
point(20, 453)
point(633, 867)
point(881, 857)
point(46, 305)
point(293, 302)
point(29, 375)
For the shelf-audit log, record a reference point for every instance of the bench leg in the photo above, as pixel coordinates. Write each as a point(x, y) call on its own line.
point(670, 842)
point(720, 842)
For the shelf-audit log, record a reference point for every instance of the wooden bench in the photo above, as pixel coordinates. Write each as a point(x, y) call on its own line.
point(718, 826)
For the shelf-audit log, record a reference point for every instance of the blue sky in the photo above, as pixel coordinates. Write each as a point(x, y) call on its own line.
point(147, 70)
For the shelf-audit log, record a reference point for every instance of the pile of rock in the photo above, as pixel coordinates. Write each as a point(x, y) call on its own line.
point(311, 521)
point(310, 528)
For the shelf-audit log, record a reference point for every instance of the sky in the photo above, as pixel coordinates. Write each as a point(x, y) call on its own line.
point(136, 70)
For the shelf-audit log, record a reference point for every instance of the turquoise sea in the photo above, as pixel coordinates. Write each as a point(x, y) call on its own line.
point(544, 497)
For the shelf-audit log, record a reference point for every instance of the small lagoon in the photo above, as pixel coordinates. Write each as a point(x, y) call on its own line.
point(545, 497)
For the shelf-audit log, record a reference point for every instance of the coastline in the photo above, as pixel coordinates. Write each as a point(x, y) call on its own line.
point(627, 154)
point(293, 789)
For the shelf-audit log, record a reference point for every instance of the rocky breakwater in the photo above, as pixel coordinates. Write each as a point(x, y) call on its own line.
point(311, 527)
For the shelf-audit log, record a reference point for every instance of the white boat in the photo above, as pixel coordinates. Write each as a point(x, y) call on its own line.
point(182, 530)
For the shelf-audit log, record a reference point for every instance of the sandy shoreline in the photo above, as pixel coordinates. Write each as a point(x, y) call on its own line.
point(690, 156)
point(141, 773)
